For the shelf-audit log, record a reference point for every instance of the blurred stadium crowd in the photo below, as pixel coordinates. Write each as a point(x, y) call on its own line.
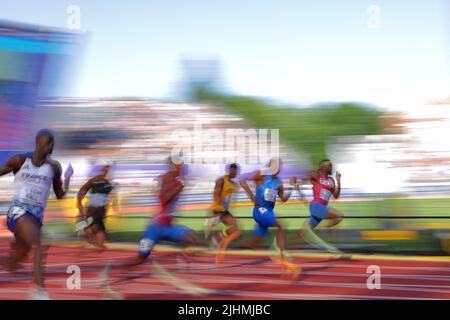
point(135, 137)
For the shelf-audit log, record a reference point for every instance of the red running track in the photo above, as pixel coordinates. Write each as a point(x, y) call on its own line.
point(239, 276)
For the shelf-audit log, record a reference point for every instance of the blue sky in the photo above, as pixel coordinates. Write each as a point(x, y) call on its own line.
point(289, 50)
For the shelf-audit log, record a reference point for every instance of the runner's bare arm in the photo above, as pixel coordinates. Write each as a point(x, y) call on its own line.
point(218, 190)
point(12, 165)
point(254, 176)
point(115, 199)
point(81, 194)
point(285, 196)
point(60, 190)
point(168, 195)
point(337, 190)
point(298, 186)
point(314, 177)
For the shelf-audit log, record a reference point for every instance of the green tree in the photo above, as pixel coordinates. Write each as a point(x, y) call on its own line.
point(306, 129)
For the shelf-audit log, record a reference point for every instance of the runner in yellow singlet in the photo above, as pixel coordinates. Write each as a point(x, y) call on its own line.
point(224, 189)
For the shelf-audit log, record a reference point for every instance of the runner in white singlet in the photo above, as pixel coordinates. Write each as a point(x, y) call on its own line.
point(34, 175)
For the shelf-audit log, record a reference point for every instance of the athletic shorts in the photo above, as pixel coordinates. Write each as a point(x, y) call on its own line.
point(318, 213)
point(97, 214)
point(18, 210)
point(265, 218)
point(157, 232)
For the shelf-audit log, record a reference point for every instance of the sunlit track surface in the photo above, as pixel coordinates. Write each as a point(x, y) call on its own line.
point(172, 275)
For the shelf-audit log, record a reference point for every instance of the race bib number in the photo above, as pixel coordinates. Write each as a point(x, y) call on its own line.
point(262, 210)
point(325, 194)
point(145, 245)
point(16, 212)
point(270, 195)
point(33, 195)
